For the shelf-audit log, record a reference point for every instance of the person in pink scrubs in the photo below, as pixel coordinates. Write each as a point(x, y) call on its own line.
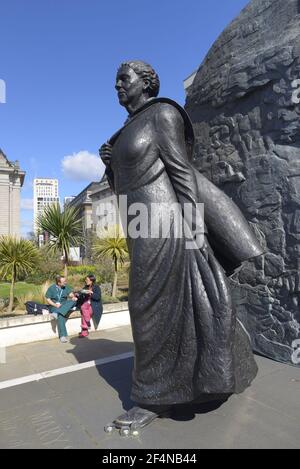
point(90, 299)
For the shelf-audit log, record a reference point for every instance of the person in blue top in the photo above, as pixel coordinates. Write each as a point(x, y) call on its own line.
point(61, 300)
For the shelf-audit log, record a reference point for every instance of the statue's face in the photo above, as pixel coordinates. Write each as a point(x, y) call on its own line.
point(129, 86)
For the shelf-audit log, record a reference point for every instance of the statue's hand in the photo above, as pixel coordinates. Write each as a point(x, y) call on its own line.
point(105, 153)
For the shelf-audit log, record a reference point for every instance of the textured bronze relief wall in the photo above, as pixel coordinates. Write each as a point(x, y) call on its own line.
point(245, 107)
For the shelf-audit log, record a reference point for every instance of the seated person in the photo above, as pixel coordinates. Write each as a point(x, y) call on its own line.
point(62, 300)
point(90, 303)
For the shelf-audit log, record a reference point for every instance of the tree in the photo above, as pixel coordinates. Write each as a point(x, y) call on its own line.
point(112, 244)
point(64, 229)
point(18, 257)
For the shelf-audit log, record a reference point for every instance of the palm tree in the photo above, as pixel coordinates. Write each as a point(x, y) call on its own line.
point(18, 257)
point(113, 245)
point(64, 229)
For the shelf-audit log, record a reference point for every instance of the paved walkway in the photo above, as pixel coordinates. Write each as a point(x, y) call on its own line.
point(69, 407)
point(36, 357)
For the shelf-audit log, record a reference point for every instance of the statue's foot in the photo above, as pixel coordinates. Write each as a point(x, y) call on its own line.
point(136, 418)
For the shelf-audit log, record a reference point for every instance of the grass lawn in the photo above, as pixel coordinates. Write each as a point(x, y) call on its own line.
point(21, 288)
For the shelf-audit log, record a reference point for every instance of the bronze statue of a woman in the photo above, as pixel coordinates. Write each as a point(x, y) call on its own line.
point(189, 345)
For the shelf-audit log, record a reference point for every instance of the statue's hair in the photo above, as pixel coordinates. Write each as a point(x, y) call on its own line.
point(145, 71)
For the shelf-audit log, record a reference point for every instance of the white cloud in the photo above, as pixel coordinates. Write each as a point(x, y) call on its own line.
point(82, 166)
point(27, 204)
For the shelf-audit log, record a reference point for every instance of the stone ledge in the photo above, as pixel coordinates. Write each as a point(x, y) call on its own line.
point(28, 319)
point(26, 329)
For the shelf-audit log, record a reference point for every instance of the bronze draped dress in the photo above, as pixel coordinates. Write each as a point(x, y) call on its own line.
point(187, 339)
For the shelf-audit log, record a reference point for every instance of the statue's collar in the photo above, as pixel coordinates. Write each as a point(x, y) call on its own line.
point(189, 131)
point(140, 109)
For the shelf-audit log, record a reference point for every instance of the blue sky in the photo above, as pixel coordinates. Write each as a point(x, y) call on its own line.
point(59, 59)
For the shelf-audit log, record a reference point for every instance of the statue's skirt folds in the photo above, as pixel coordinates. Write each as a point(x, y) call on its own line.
point(188, 341)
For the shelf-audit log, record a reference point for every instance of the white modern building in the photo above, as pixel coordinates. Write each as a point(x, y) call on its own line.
point(45, 193)
point(11, 181)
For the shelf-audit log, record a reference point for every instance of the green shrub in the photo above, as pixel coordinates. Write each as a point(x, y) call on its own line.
point(103, 271)
point(21, 288)
point(123, 297)
point(38, 296)
point(109, 299)
point(106, 289)
point(3, 304)
point(22, 299)
point(39, 278)
point(76, 281)
point(49, 265)
point(81, 269)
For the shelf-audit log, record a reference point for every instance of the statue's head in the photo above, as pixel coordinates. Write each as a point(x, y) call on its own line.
point(134, 79)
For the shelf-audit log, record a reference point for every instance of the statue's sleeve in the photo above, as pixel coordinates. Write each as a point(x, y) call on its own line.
point(173, 153)
point(110, 177)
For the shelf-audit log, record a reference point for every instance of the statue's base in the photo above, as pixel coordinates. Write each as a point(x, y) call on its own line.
point(136, 418)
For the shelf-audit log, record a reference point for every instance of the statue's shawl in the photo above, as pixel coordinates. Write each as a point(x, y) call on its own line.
point(229, 233)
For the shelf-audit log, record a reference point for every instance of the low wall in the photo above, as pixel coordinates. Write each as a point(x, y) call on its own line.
point(29, 328)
